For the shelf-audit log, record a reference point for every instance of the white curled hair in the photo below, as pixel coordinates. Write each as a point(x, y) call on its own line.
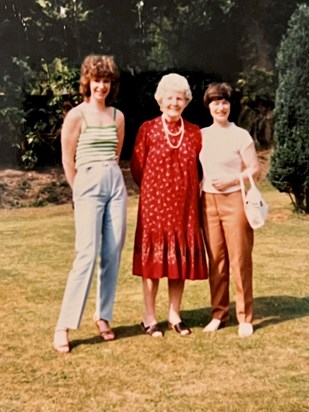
point(173, 81)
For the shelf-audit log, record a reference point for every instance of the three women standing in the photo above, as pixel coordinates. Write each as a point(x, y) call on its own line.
point(91, 139)
point(168, 239)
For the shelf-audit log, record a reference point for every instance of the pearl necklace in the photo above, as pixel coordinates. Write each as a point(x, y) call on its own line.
point(167, 132)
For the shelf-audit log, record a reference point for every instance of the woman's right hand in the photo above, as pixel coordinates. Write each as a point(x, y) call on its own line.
point(221, 184)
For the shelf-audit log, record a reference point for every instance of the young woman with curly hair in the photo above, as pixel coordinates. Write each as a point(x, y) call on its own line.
point(91, 140)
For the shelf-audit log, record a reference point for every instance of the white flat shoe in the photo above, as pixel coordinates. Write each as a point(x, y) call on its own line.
point(245, 329)
point(212, 326)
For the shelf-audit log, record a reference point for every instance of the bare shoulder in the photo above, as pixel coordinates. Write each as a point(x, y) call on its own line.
point(74, 115)
point(72, 124)
point(119, 115)
point(119, 118)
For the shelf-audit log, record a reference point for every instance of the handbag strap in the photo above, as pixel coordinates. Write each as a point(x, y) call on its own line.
point(252, 183)
point(242, 187)
point(242, 184)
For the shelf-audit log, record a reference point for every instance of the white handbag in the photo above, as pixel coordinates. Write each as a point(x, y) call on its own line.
point(256, 209)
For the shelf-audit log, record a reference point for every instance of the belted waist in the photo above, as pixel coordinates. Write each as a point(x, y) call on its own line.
point(99, 163)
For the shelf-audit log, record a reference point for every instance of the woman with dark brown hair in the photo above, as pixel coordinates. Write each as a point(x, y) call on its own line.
point(227, 152)
point(91, 140)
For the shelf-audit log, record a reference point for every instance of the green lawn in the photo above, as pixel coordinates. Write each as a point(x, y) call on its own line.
point(219, 372)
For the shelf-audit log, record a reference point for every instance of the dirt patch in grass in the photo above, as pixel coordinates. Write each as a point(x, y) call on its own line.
point(35, 188)
point(19, 188)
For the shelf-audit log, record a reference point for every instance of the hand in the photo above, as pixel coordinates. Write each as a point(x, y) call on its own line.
point(222, 185)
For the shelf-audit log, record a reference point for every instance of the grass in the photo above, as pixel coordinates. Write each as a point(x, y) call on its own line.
point(215, 373)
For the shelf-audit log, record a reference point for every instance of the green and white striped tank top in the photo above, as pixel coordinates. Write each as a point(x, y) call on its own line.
point(96, 143)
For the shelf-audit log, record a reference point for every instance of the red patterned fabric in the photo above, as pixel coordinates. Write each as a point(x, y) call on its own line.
point(168, 239)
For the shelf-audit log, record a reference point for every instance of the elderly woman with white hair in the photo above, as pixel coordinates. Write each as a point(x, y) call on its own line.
point(168, 238)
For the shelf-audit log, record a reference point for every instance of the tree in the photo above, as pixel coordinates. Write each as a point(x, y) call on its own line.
point(289, 170)
point(183, 34)
point(221, 39)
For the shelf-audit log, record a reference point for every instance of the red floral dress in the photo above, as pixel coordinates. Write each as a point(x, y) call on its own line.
point(168, 238)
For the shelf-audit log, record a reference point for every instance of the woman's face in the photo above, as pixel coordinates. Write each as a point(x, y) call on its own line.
point(220, 111)
point(100, 88)
point(172, 105)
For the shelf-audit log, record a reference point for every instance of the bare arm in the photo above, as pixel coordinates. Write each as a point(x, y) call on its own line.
point(251, 161)
point(120, 122)
point(70, 132)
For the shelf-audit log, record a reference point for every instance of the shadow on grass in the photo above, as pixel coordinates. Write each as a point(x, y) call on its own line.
point(268, 310)
point(271, 310)
point(120, 331)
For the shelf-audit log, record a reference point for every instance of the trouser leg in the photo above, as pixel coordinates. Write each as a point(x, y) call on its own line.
point(113, 236)
point(88, 222)
point(218, 258)
point(239, 239)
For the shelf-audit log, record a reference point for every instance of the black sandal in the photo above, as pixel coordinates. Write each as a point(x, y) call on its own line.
point(179, 328)
point(150, 330)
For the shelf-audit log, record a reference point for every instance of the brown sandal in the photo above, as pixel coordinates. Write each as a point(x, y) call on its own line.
point(150, 330)
point(105, 334)
point(180, 328)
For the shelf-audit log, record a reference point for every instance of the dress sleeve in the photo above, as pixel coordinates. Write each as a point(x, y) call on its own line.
point(198, 149)
point(139, 155)
point(198, 140)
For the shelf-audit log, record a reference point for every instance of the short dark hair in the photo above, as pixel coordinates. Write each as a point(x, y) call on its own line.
point(95, 66)
point(217, 91)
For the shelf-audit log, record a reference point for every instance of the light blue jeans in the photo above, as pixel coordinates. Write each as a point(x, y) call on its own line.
point(100, 204)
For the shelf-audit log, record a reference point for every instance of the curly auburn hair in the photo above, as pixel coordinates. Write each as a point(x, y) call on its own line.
point(95, 66)
point(217, 91)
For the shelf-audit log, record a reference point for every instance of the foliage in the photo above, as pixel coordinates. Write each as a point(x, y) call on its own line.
point(66, 22)
point(289, 170)
point(256, 88)
point(59, 85)
point(256, 83)
point(172, 32)
point(220, 38)
point(35, 115)
point(209, 35)
point(12, 113)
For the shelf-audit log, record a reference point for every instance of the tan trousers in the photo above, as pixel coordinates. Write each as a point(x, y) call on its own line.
point(229, 243)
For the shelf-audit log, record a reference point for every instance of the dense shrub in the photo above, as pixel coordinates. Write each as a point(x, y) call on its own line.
point(289, 170)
